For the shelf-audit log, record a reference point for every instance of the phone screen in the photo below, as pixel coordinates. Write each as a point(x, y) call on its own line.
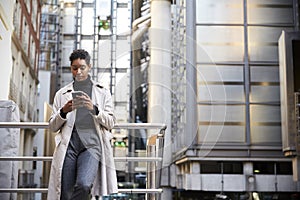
point(76, 94)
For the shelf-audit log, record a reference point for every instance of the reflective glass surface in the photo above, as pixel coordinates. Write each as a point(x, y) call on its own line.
point(219, 11)
point(270, 11)
point(220, 43)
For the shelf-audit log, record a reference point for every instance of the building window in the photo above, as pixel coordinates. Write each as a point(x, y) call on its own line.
point(279, 168)
point(16, 17)
point(216, 168)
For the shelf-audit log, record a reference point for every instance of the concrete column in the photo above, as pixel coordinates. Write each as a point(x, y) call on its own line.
point(296, 168)
point(10, 138)
point(249, 177)
point(159, 98)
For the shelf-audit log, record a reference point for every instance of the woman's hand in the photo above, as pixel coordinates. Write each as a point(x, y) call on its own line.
point(68, 107)
point(83, 101)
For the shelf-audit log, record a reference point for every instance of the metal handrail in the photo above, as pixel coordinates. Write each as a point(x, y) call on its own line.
point(45, 125)
point(49, 158)
point(24, 125)
point(117, 126)
point(45, 190)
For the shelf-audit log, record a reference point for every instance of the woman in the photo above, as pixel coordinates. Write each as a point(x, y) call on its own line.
point(83, 159)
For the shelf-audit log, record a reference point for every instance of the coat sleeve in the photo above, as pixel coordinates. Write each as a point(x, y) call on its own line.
point(56, 121)
point(106, 116)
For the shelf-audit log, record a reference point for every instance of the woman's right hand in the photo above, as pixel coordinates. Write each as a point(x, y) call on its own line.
point(68, 107)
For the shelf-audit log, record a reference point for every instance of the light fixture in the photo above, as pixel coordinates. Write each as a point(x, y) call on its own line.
point(251, 179)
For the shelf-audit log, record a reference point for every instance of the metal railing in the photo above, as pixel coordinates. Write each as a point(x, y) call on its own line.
point(45, 190)
point(45, 125)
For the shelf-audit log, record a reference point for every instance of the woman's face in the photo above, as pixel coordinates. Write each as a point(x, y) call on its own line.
point(80, 69)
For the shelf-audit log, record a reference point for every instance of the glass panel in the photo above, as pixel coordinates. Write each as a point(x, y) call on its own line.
point(210, 167)
point(16, 18)
point(264, 94)
point(122, 87)
point(216, 134)
point(219, 11)
point(263, 52)
point(88, 46)
point(233, 168)
point(263, 43)
point(214, 41)
point(263, 167)
point(87, 21)
point(104, 7)
point(34, 14)
point(218, 73)
point(123, 21)
point(221, 113)
point(69, 20)
point(221, 93)
point(104, 56)
point(284, 168)
point(68, 46)
point(265, 134)
point(264, 74)
point(123, 53)
point(264, 113)
point(123, 61)
point(270, 12)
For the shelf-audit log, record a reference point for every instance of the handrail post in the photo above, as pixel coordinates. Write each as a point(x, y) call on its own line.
point(154, 149)
point(160, 155)
point(151, 169)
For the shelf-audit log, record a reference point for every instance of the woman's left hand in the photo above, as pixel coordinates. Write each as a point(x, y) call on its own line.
point(85, 101)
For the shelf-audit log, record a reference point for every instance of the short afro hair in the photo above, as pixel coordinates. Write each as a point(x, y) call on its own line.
point(82, 54)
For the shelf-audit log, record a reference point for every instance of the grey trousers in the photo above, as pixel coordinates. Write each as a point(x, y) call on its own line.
point(79, 171)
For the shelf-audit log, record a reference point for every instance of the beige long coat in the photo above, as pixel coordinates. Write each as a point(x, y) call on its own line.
point(106, 180)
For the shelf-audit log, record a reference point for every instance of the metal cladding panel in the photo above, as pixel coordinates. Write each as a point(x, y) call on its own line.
point(272, 183)
point(9, 146)
point(217, 182)
point(234, 183)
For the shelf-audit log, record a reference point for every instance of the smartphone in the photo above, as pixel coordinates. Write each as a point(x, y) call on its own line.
point(77, 93)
